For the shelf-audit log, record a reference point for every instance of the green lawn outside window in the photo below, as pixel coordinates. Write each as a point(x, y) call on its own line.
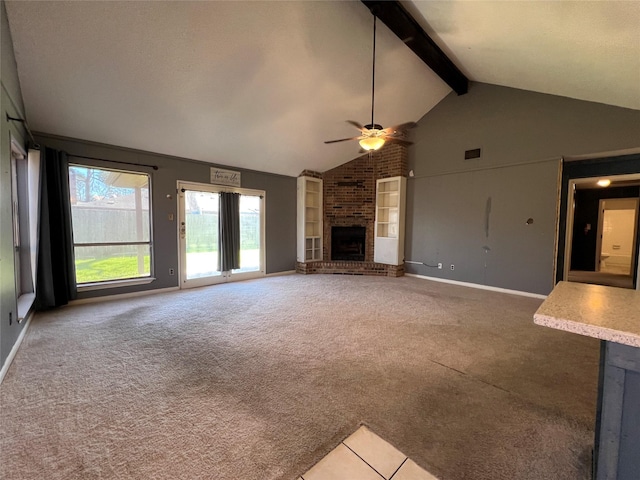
point(114, 268)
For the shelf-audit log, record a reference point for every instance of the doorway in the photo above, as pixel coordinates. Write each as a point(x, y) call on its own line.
point(602, 224)
point(201, 246)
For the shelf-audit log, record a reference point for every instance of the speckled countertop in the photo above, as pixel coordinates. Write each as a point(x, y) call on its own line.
point(607, 313)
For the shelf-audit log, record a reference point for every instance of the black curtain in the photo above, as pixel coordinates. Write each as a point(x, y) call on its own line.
point(229, 231)
point(56, 273)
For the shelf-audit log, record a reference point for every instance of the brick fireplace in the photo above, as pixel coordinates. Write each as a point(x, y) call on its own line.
point(349, 192)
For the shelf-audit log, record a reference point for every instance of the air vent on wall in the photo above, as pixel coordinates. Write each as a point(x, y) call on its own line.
point(471, 154)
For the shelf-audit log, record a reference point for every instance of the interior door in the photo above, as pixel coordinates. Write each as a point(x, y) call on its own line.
point(198, 226)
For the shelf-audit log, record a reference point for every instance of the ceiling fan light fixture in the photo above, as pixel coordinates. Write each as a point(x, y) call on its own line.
point(372, 143)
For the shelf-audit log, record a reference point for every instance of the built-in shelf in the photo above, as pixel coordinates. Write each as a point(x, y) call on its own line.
point(390, 216)
point(309, 239)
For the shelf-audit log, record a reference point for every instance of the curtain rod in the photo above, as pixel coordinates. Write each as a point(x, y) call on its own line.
point(155, 167)
point(26, 126)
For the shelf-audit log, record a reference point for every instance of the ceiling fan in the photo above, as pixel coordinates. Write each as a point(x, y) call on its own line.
point(373, 136)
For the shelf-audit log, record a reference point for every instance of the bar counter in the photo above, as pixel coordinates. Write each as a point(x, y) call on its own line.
point(612, 315)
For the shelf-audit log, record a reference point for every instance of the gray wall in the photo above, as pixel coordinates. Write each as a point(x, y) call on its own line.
point(280, 199)
point(523, 135)
point(280, 205)
point(10, 103)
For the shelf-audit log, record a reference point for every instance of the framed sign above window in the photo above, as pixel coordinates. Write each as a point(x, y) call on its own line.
point(220, 176)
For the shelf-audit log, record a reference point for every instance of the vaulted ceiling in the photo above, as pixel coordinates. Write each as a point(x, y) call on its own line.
point(261, 85)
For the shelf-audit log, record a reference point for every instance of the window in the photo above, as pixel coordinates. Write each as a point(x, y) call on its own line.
point(25, 177)
point(110, 214)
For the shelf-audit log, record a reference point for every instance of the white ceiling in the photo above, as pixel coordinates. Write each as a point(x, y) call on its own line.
point(589, 50)
point(261, 85)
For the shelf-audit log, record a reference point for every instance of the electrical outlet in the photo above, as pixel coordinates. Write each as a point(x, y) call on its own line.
point(172, 271)
point(452, 267)
point(439, 266)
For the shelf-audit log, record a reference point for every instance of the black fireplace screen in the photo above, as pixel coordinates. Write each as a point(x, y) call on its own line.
point(348, 243)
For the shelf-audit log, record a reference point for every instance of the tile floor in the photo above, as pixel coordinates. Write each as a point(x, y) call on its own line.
point(366, 456)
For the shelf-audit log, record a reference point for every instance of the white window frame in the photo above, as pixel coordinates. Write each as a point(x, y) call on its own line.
point(123, 282)
point(25, 201)
point(228, 275)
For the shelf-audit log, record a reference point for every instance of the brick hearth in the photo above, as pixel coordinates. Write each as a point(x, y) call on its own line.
point(349, 193)
point(351, 268)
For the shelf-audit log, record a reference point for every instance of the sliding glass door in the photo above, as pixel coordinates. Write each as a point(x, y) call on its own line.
point(199, 237)
point(250, 234)
point(201, 245)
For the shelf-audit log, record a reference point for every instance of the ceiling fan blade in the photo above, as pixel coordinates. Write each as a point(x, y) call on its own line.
point(357, 125)
point(399, 141)
point(342, 140)
point(399, 128)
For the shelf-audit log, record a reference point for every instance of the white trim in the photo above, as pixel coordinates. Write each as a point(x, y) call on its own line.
point(25, 302)
point(119, 296)
point(86, 287)
point(16, 148)
point(279, 274)
point(479, 286)
point(556, 242)
point(568, 228)
point(33, 192)
point(14, 349)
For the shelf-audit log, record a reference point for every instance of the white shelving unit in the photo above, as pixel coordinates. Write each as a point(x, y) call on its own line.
point(309, 219)
point(390, 216)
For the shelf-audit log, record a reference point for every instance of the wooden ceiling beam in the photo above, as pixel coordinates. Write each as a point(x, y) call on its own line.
point(400, 22)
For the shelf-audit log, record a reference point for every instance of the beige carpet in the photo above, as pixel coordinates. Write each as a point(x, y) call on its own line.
point(258, 380)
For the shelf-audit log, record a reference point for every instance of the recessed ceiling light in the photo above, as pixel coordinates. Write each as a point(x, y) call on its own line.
point(604, 182)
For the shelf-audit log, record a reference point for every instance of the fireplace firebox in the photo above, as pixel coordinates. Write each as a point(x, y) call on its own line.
point(348, 243)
